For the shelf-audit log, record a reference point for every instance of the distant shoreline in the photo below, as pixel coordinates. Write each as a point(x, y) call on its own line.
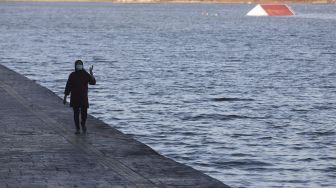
point(185, 1)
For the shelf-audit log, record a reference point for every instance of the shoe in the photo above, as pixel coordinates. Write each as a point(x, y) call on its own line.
point(84, 129)
point(77, 132)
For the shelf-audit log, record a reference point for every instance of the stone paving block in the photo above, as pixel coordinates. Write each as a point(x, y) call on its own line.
point(38, 147)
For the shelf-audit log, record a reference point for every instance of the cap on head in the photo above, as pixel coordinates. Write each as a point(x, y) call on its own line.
point(79, 65)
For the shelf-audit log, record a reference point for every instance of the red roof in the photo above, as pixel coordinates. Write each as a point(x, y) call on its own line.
point(277, 10)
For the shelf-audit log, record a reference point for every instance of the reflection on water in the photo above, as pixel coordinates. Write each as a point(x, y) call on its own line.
point(250, 101)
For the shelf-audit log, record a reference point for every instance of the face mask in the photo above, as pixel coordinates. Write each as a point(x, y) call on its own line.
point(79, 67)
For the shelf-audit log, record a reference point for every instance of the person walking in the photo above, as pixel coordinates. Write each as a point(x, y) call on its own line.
point(77, 86)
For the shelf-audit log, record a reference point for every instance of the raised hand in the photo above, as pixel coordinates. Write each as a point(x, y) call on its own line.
point(91, 68)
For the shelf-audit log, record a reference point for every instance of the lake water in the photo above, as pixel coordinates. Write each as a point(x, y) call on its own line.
point(248, 100)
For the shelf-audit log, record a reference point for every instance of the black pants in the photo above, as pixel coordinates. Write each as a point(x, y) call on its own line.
point(83, 112)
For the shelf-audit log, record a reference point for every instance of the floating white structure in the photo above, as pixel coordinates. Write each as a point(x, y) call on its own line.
point(271, 10)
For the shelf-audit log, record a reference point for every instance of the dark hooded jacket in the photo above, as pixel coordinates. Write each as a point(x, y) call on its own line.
point(77, 85)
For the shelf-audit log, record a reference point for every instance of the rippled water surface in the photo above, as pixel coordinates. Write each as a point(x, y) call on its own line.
point(248, 100)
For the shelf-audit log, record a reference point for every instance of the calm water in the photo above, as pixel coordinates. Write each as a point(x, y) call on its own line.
point(250, 101)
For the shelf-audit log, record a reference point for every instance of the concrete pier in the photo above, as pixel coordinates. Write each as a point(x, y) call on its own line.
point(39, 148)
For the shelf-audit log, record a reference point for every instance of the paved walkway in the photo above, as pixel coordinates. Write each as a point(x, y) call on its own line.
point(39, 148)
